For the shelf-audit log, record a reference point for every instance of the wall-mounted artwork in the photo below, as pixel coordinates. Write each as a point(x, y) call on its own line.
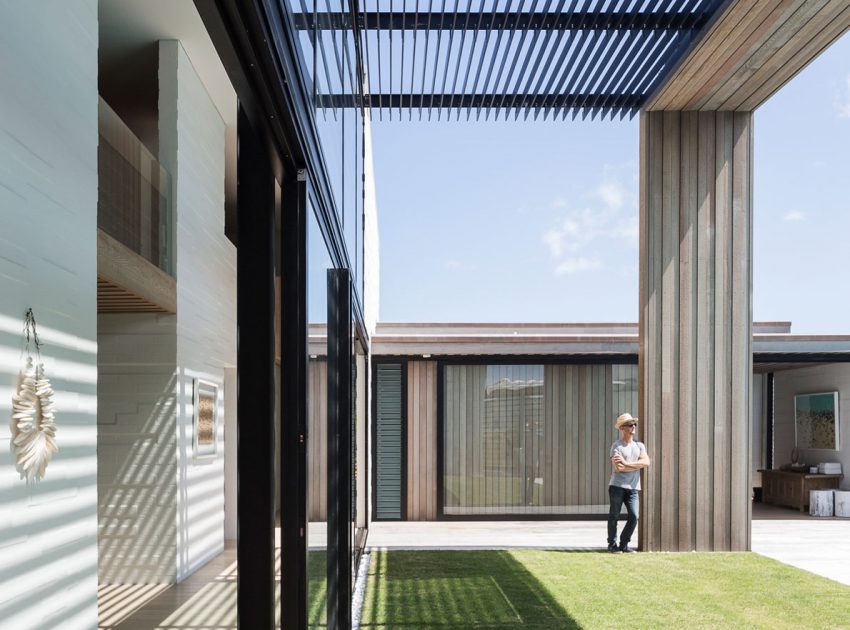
point(206, 418)
point(816, 420)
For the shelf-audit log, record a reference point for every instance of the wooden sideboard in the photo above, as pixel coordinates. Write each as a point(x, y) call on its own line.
point(781, 487)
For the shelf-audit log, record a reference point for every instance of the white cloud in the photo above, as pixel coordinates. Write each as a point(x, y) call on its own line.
point(581, 239)
point(452, 264)
point(555, 240)
point(794, 215)
point(628, 229)
point(842, 100)
point(558, 203)
point(611, 193)
point(580, 263)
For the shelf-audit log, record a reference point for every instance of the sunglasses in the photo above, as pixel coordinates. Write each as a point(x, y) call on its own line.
point(629, 426)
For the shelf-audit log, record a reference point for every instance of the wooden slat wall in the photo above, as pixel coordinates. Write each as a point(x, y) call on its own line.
point(522, 439)
point(317, 441)
point(696, 328)
point(114, 299)
point(750, 52)
point(421, 440)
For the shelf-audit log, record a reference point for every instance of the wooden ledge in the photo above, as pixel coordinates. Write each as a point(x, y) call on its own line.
point(127, 283)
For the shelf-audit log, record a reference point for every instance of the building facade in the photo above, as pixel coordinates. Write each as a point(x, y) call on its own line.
point(188, 210)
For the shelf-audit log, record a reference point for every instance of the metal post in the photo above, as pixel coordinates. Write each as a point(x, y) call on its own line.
point(293, 407)
point(339, 449)
point(255, 380)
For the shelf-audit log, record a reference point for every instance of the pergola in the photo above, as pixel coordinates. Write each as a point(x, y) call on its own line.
point(542, 58)
point(694, 69)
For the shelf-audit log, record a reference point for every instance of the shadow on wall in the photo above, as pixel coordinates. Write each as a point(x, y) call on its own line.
point(47, 529)
point(200, 480)
point(160, 507)
point(137, 490)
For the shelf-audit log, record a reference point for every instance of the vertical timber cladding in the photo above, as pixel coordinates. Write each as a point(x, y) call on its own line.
point(696, 328)
point(421, 440)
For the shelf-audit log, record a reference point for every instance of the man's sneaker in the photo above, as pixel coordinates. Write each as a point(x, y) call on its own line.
point(614, 549)
point(625, 549)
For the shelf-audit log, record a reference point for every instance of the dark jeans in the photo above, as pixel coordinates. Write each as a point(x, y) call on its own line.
point(618, 497)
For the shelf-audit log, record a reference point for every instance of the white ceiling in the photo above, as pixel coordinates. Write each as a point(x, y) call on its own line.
point(128, 26)
point(128, 59)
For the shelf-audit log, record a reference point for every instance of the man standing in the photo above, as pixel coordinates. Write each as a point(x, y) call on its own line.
point(628, 456)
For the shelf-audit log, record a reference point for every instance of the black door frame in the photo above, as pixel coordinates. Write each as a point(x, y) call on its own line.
point(255, 379)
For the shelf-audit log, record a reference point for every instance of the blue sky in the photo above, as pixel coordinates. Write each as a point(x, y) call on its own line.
point(538, 222)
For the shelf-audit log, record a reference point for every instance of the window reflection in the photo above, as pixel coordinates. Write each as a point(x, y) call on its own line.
point(318, 262)
point(531, 439)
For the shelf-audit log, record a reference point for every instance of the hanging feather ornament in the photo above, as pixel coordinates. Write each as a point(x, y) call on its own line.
point(33, 415)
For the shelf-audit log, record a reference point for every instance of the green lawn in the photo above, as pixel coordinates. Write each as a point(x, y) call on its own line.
point(555, 589)
point(317, 589)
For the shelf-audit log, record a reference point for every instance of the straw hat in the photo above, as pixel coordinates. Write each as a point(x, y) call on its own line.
point(624, 419)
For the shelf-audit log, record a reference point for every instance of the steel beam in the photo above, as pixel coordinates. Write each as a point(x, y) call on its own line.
point(504, 20)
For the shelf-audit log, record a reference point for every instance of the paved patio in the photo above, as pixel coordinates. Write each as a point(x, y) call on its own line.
point(820, 546)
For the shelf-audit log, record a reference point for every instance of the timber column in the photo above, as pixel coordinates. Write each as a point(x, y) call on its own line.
point(695, 372)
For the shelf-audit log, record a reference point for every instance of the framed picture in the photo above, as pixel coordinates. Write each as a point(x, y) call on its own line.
point(206, 418)
point(816, 420)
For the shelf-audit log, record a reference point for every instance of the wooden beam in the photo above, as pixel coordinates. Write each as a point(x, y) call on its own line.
point(749, 52)
point(125, 277)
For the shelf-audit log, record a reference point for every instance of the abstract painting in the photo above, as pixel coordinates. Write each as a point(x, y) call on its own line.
point(816, 420)
point(205, 421)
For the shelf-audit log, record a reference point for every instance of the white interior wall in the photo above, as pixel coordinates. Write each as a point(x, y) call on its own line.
point(828, 377)
point(48, 219)
point(137, 471)
point(192, 148)
point(230, 454)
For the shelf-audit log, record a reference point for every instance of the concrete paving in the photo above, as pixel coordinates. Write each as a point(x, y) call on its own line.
point(487, 535)
point(821, 546)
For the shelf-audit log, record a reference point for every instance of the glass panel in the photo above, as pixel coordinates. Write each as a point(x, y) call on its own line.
point(134, 191)
point(357, 258)
point(329, 117)
point(318, 263)
point(352, 427)
point(361, 470)
point(351, 145)
point(531, 439)
point(349, 227)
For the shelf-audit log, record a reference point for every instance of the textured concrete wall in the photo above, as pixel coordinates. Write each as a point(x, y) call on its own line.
point(192, 149)
point(48, 215)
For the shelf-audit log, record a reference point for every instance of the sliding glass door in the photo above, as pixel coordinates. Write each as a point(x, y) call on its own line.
point(530, 439)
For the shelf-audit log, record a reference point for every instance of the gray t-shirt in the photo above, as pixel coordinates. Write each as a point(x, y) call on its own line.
point(631, 453)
